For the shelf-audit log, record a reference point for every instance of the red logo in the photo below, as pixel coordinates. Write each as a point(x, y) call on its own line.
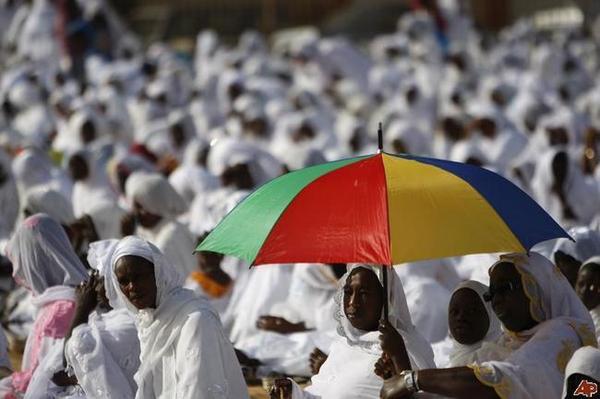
point(586, 388)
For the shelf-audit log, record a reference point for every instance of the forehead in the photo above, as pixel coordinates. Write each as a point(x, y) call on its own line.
point(504, 271)
point(131, 263)
point(464, 296)
point(590, 270)
point(362, 277)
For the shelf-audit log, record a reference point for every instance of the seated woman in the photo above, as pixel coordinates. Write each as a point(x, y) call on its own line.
point(545, 323)
point(474, 328)
point(184, 352)
point(582, 375)
point(588, 290)
point(102, 351)
point(348, 371)
point(45, 263)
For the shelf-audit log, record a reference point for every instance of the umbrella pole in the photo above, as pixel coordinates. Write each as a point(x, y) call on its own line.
point(385, 292)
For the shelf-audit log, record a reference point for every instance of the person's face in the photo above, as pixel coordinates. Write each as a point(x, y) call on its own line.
point(209, 261)
point(237, 176)
point(399, 146)
point(588, 285)
point(178, 135)
point(88, 132)
point(467, 317)
point(145, 218)
point(487, 127)
point(363, 299)
point(78, 168)
point(135, 276)
point(568, 265)
point(509, 301)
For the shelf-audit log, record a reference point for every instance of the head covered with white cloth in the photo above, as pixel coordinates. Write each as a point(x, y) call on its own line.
point(418, 349)
point(42, 255)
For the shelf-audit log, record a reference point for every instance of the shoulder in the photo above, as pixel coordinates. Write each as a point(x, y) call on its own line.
point(56, 317)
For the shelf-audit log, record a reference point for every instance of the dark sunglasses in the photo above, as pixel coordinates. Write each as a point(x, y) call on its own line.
point(500, 289)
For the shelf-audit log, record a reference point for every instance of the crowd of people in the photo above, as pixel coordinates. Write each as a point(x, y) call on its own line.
point(117, 160)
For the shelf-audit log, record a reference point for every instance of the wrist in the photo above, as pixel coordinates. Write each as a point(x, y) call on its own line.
point(410, 380)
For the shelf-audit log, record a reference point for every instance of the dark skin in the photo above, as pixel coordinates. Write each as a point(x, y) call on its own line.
point(88, 132)
point(209, 263)
point(511, 305)
point(78, 168)
point(316, 360)
point(363, 304)
point(238, 176)
point(467, 317)
point(135, 276)
point(568, 265)
point(143, 217)
point(90, 294)
point(560, 169)
point(588, 285)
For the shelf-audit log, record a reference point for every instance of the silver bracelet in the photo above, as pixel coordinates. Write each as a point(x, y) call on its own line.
point(416, 380)
point(409, 381)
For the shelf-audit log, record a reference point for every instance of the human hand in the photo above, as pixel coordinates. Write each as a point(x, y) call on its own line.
point(281, 389)
point(85, 294)
point(384, 367)
point(278, 325)
point(395, 388)
point(316, 360)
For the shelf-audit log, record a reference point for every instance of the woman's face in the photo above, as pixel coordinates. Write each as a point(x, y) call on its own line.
point(588, 285)
point(145, 218)
point(467, 317)
point(135, 276)
point(363, 299)
point(568, 265)
point(509, 301)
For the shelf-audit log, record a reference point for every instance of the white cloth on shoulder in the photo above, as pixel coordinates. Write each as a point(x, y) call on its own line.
point(184, 352)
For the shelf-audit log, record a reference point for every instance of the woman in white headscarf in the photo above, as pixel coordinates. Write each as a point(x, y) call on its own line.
point(561, 188)
point(584, 365)
point(156, 206)
point(51, 202)
point(32, 167)
point(569, 254)
point(184, 352)
point(348, 371)
point(471, 338)
point(544, 324)
point(103, 350)
point(45, 263)
point(588, 289)
point(92, 186)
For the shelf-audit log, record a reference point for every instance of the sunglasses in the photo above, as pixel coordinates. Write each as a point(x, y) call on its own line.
point(500, 289)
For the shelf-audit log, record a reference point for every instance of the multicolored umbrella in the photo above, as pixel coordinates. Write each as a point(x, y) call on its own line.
point(382, 209)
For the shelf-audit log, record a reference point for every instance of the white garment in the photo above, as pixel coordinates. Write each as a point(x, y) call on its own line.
point(585, 361)
point(175, 241)
point(9, 198)
point(595, 314)
point(107, 220)
point(585, 246)
point(184, 352)
point(44, 200)
point(348, 371)
point(104, 355)
point(42, 255)
point(95, 189)
point(486, 349)
point(541, 353)
point(154, 193)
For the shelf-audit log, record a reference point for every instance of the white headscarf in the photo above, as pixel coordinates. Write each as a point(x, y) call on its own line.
point(549, 292)
point(464, 354)
point(107, 220)
point(154, 193)
point(418, 349)
point(51, 202)
point(42, 255)
point(585, 361)
point(586, 244)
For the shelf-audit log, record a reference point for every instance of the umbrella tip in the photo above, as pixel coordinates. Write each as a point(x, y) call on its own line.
point(380, 138)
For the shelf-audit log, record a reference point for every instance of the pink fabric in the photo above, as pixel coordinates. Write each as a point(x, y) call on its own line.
point(52, 322)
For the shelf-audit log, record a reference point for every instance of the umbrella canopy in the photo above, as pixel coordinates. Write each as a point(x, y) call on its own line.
point(381, 209)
